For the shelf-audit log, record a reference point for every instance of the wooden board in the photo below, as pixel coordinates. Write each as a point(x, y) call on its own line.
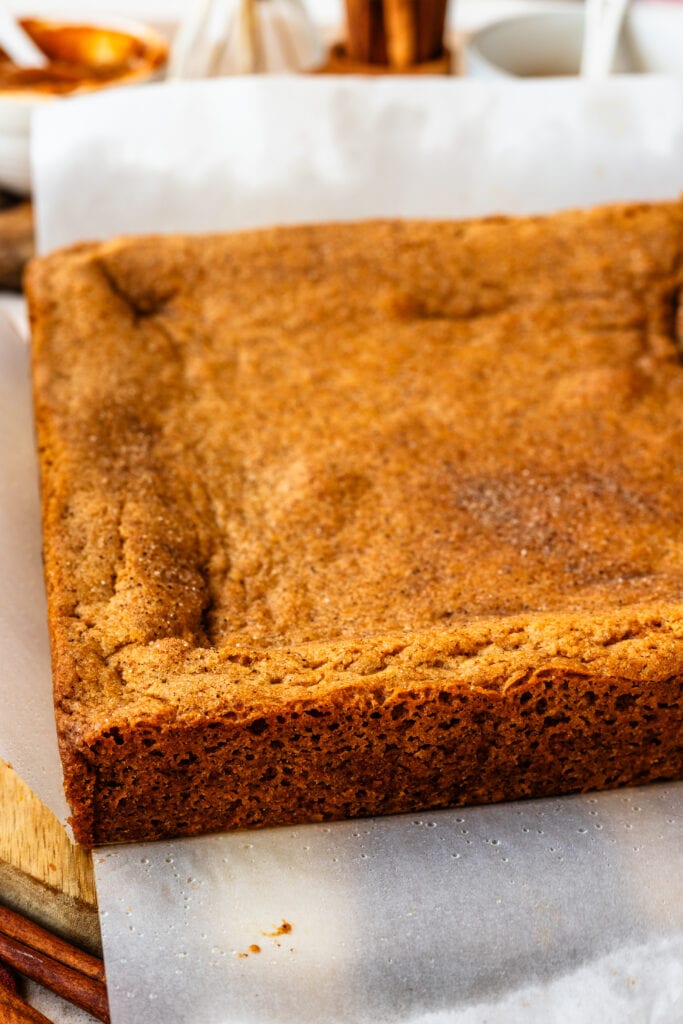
point(42, 873)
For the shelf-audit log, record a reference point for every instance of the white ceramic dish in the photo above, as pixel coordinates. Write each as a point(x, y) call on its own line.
point(548, 43)
point(17, 105)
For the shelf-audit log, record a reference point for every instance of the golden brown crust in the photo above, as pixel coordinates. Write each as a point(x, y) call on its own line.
point(358, 518)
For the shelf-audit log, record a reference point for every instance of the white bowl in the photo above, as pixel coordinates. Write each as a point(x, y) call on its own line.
point(18, 104)
point(548, 44)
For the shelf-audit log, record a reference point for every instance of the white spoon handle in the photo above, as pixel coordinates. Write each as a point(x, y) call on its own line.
point(188, 49)
point(18, 44)
point(603, 20)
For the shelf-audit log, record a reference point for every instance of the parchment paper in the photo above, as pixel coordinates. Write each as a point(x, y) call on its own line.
point(559, 910)
point(27, 731)
point(242, 153)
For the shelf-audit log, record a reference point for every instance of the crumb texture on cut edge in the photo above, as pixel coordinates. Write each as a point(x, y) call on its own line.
point(364, 751)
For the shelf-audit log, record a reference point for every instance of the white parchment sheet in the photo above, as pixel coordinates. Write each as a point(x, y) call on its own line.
point(566, 910)
point(242, 153)
point(27, 732)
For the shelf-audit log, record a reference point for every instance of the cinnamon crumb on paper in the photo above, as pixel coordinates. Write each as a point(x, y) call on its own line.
point(284, 929)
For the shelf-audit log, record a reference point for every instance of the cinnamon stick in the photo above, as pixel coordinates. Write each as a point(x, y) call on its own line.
point(401, 32)
point(16, 926)
point(365, 39)
point(80, 989)
point(7, 979)
point(431, 25)
point(13, 1010)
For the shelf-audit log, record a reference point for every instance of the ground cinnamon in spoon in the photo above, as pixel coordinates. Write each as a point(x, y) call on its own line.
point(80, 57)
